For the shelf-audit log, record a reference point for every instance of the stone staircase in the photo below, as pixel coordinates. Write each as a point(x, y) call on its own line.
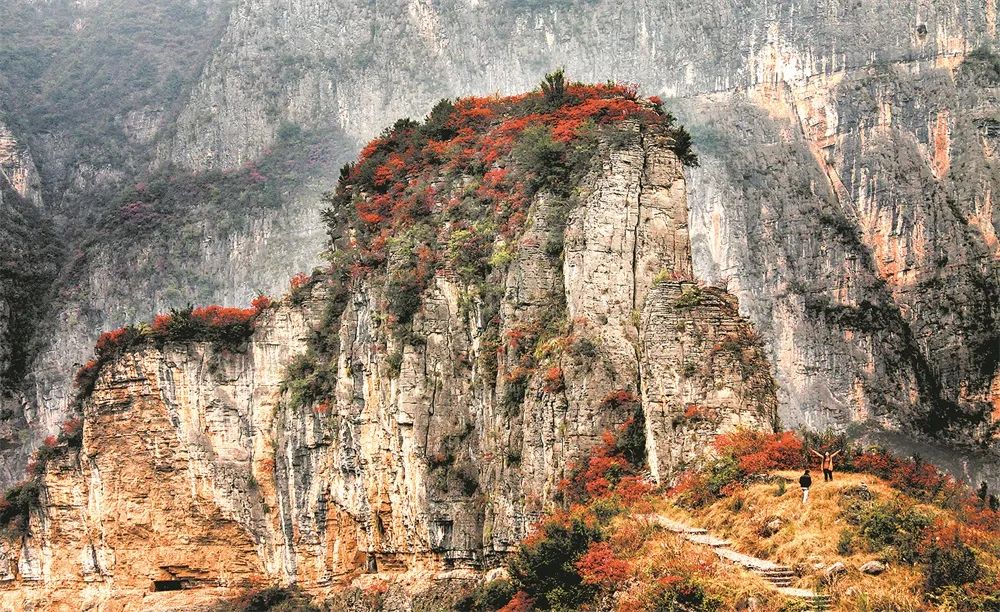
point(778, 575)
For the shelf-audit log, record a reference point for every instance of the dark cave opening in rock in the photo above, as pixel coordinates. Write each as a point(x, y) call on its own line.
point(167, 585)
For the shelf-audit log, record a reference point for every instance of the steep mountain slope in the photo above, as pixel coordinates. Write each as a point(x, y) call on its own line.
point(30, 253)
point(804, 101)
point(510, 280)
point(865, 243)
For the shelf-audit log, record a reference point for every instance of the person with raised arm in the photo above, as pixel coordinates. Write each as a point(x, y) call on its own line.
point(826, 463)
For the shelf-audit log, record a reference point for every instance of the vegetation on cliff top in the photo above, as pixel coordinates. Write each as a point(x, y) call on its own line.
point(226, 327)
point(449, 196)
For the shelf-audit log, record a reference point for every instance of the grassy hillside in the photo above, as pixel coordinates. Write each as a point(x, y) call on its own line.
point(926, 542)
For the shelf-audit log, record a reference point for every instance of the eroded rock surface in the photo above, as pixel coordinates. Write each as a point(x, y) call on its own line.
point(199, 470)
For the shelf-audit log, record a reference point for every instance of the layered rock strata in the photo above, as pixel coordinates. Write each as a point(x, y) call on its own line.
point(199, 470)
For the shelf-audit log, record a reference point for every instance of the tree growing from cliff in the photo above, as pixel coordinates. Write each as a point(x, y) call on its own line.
point(554, 87)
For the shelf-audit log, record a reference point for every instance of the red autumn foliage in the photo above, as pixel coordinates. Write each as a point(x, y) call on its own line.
point(388, 171)
point(495, 177)
point(299, 280)
point(691, 488)
point(632, 490)
point(518, 374)
point(261, 302)
point(517, 336)
point(913, 476)
point(221, 316)
point(86, 373)
point(606, 473)
point(619, 399)
point(759, 452)
point(108, 341)
point(378, 588)
point(600, 567)
point(397, 177)
point(520, 603)
point(71, 426)
point(554, 382)
point(161, 322)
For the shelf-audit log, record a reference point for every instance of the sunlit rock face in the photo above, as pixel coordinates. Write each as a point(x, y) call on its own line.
point(201, 467)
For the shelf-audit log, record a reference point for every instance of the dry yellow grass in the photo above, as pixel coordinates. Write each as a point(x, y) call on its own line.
point(657, 552)
point(808, 537)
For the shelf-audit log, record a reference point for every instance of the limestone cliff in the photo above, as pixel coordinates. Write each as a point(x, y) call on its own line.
point(855, 263)
point(410, 411)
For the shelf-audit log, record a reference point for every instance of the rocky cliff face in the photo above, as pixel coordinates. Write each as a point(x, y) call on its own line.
point(863, 244)
point(17, 168)
point(804, 101)
point(349, 440)
point(28, 266)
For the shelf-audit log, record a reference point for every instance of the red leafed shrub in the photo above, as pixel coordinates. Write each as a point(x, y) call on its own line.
point(109, 341)
point(71, 426)
point(299, 280)
point(633, 491)
point(406, 181)
point(913, 476)
point(387, 172)
point(554, 382)
point(161, 322)
point(520, 336)
point(495, 177)
point(380, 587)
point(611, 469)
point(758, 452)
point(50, 441)
point(600, 567)
point(221, 316)
point(875, 462)
point(261, 302)
point(520, 603)
point(71, 432)
point(692, 489)
point(692, 411)
point(85, 375)
point(621, 398)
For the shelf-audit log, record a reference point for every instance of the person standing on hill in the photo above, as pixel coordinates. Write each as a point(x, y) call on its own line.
point(826, 460)
point(805, 481)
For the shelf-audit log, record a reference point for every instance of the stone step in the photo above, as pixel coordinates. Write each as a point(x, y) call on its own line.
point(746, 561)
point(707, 540)
point(777, 576)
point(672, 525)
